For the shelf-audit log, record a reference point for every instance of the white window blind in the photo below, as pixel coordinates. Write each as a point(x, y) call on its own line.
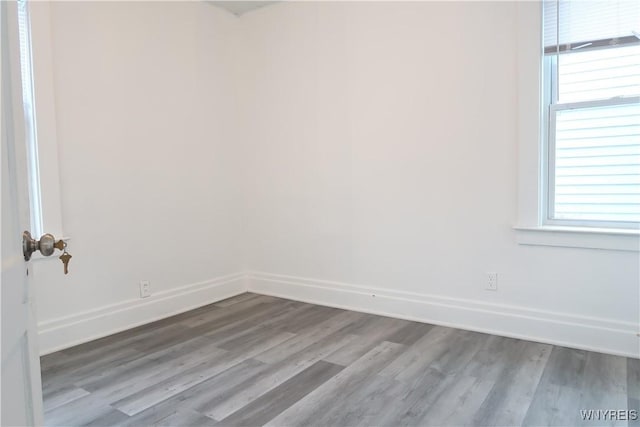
point(597, 165)
point(583, 21)
point(593, 129)
point(599, 74)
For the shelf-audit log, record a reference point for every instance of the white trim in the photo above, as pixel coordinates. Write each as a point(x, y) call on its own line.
point(582, 332)
point(530, 149)
point(579, 237)
point(64, 332)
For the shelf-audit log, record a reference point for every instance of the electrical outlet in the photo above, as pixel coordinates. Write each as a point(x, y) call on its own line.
point(492, 281)
point(145, 289)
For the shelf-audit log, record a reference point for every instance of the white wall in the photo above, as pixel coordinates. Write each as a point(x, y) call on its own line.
point(334, 151)
point(383, 154)
point(146, 113)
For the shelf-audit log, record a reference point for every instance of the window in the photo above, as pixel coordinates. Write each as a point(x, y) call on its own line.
point(591, 117)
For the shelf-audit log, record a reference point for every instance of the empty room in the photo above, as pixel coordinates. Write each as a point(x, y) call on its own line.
point(320, 213)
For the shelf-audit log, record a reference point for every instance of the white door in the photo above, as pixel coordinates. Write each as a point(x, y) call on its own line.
point(21, 383)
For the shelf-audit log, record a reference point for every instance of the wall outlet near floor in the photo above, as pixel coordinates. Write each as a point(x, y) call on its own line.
point(492, 281)
point(145, 289)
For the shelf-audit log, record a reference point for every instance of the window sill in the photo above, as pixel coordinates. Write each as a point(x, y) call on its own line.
point(579, 237)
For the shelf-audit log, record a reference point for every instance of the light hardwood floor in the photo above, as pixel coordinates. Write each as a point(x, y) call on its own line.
point(255, 360)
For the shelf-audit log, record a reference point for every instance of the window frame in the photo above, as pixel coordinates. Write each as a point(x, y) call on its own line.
point(529, 228)
point(549, 99)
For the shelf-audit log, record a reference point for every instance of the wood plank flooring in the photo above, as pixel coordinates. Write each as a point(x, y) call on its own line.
point(255, 360)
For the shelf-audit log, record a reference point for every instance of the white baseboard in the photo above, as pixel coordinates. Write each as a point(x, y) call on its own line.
point(587, 333)
point(64, 332)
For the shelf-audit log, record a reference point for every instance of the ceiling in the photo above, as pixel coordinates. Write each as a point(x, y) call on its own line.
point(240, 7)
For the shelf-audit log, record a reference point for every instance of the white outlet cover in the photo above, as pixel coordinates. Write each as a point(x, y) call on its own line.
point(492, 281)
point(145, 289)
